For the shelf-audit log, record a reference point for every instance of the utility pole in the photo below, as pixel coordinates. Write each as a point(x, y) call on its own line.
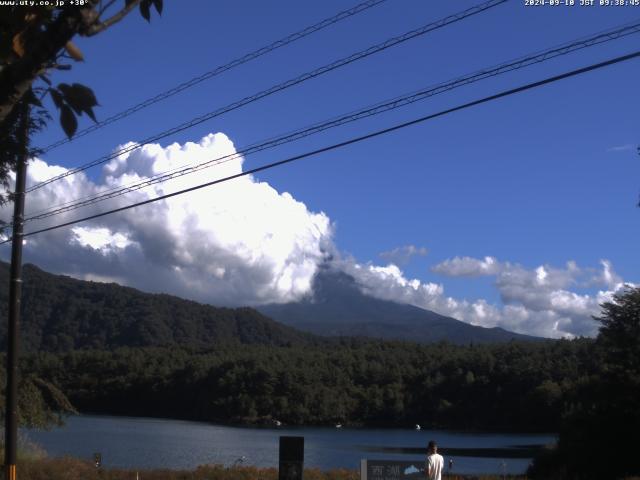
point(15, 292)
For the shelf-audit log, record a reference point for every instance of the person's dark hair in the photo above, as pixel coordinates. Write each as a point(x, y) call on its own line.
point(432, 446)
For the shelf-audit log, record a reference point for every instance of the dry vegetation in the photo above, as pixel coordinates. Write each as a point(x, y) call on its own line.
point(68, 468)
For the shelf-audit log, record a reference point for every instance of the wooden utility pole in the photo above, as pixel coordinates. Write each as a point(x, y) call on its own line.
point(15, 292)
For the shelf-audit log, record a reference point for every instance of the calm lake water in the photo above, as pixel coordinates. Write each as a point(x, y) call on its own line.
point(149, 443)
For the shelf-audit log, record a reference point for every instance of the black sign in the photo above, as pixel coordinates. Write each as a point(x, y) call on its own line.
point(391, 470)
point(291, 458)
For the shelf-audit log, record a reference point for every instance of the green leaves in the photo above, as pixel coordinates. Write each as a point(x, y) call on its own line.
point(32, 99)
point(57, 98)
point(73, 100)
point(145, 8)
point(80, 98)
point(68, 120)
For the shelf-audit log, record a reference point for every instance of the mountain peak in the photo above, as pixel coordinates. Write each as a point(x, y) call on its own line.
point(338, 306)
point(330, 286)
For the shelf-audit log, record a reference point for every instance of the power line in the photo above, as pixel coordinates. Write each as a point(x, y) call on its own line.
point(361, 7)
point(336, 146)
point(283, 86)
point(521, 62)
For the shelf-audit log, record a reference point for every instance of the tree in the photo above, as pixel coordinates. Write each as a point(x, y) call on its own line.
point(41, 404)
point(595, 435)
point(619, 336)
point(37, 40)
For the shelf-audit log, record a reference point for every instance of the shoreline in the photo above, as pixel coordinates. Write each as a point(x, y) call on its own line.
point(180, 444)
point(271, 425)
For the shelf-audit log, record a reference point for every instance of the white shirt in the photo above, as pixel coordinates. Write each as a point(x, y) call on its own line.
point(435, 464)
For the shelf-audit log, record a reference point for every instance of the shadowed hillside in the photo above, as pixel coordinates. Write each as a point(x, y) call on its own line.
point(61, 313)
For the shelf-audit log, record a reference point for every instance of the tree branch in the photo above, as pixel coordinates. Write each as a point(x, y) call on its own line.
point(99, 27)
point(17, 77)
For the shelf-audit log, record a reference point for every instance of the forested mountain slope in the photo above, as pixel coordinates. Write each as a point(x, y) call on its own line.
point(61, 313)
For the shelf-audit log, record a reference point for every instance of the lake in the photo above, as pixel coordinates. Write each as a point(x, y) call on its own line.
point(149, 443)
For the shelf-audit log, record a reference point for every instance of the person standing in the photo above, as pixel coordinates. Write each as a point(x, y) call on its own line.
point(435, 462)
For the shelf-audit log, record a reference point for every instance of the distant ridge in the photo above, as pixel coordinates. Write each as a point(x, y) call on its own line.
point(61, 313)
point(339, 308)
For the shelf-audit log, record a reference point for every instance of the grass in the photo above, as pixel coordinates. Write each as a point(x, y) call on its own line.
point(68, 468)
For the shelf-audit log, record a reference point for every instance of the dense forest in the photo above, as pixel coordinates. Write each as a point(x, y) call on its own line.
point(517, 386)
point(61, 313)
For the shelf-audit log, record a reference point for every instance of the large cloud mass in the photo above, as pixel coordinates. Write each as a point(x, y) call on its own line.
point(237, 243)
point(243, 243)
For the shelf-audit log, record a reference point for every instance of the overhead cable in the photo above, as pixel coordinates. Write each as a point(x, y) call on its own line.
point(361, 7)
point(351, 141)
point(521, 62)
point(282, 86)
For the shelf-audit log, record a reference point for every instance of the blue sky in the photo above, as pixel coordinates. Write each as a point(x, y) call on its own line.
point(541, 178)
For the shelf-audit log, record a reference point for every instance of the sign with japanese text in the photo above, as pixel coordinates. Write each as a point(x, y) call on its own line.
point(391, 469)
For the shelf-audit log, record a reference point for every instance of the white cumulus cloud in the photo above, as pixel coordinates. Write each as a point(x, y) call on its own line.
point(467, 267)
point(237, 243)
point(538, 301)
point(100, 239)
